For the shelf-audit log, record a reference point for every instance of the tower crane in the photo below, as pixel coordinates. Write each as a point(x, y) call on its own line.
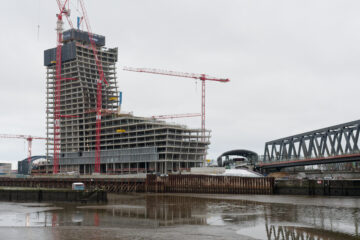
point(28, 138)
point(201, 77)
point(59, 34)
point(185, 115)
point(63, 10)
point(99, 88)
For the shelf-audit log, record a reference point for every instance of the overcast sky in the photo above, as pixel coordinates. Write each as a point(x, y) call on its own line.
point(293, 65)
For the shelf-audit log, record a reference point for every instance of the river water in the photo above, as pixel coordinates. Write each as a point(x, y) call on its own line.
point(185, 216)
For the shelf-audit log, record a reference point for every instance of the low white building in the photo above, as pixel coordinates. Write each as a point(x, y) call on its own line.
point(5, 168)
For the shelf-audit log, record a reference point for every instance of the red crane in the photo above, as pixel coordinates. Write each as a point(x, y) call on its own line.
point(59, 33)
point(28, 138)
point(201, 77)
point(99, 89)
point(176, 116)
point(65, 11)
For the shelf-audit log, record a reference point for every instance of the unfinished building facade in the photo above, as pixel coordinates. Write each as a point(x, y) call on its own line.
point(129, 144)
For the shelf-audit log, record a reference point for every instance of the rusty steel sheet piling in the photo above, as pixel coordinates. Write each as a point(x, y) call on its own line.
point(209, 184)
point(115, 185)
point(155, 184)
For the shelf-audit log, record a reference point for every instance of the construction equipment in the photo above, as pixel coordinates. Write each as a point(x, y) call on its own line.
point(99, 88)
point(28, 138)
point(59, 34)
point(57, 116)
point(201, 77)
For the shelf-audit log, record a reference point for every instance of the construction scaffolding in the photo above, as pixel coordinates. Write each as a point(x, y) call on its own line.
point(128, 143)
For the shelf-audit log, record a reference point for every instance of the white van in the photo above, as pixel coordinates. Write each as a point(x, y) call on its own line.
point(78, 186)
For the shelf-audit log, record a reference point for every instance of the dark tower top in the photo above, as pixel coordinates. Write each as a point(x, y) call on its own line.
point(68, 51)
point(82, 36)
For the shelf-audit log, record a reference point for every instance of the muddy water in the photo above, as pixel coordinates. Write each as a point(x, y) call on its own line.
point(185, 217)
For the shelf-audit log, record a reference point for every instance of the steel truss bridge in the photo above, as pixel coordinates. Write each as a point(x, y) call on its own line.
point(335, 144)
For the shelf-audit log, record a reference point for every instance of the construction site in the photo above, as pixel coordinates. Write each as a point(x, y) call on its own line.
point(104, 172)
point(128, 144)
point(86, 130)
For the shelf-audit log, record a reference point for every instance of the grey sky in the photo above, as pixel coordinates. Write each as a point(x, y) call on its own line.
point(293, 65)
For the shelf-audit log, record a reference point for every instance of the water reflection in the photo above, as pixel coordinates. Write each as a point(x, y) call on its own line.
point(254, 219)
point(302, 233)
point(53, 220)
point(321, 218)
point(77, 217)
point(152, 211)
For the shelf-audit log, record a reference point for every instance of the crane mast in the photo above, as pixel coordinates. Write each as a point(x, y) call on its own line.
point(28, 138)
point(98, 91)
point(57, 108)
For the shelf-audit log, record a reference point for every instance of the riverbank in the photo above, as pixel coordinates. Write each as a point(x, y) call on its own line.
point(190, 216)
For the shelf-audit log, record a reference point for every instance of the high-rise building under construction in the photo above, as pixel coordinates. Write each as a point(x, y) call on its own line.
point(128, 143)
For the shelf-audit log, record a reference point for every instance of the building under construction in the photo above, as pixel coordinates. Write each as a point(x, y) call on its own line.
point(129, 144)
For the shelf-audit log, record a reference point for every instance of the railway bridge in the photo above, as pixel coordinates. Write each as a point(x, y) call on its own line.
point(335, 144)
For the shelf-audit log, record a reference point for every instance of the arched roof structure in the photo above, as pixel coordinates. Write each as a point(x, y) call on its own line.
point(250, 155)
point(34, 158)
point(23, 165)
